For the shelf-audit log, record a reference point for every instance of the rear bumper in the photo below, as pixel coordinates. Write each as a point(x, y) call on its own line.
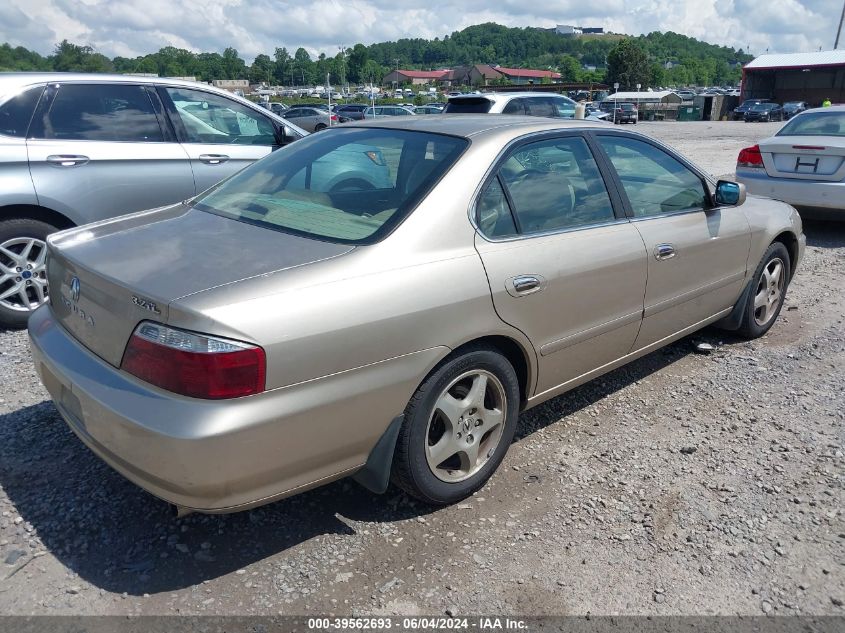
point(801, 194)
point(223, 456)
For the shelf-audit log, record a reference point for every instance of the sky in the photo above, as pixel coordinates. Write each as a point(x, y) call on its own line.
point(136, 27)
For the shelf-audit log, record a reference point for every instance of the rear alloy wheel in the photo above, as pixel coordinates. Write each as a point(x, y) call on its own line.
point(457, 428)
point(771, 280)
point(23, 271)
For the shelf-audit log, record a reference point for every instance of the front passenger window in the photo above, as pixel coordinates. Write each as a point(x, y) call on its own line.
point(654, 181)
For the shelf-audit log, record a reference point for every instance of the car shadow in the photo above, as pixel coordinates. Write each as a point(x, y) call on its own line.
point(824, 234)
point(123, 540)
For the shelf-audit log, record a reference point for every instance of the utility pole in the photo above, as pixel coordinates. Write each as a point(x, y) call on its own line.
point(839, 30)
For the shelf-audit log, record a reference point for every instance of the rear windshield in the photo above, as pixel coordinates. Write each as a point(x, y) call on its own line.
point(349, 185)
point(810, 123)
point(471, 105)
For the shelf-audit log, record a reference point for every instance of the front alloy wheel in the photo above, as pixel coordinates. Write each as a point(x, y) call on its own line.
point(769, 293)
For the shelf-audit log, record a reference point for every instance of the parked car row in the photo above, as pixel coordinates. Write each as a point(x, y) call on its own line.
point(766, 110)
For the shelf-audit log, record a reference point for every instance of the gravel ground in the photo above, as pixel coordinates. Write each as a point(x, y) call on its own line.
point(684, 483)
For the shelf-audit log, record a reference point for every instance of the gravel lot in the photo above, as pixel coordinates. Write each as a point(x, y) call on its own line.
point(684, 483)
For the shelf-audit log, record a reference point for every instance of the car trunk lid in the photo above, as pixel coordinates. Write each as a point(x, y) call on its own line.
point(804, 157)
point(106, 278)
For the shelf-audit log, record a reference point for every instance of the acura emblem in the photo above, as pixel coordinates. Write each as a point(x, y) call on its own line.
point(74, 288)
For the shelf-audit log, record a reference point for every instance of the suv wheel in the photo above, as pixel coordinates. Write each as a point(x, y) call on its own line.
point(23, 271)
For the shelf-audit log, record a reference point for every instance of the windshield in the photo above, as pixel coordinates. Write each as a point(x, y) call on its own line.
point(810, 123)
point(762, 107)
point(792, 104)
point(351, 186)
point(472, 105)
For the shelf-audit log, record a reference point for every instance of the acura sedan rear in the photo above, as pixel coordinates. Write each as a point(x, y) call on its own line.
point(275, 333)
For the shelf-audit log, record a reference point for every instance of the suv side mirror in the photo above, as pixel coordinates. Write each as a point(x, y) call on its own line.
point(730, 194)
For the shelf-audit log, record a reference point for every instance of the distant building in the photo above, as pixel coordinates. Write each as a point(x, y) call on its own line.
point(414, 77)
point(521, 76)
point(231, 84)
point(567, 29)
point(811, 77)
point(594, 30)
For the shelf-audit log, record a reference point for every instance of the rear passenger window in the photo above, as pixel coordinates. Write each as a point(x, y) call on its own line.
point(553, 185)
point(493, 213)
point(101, 112)
point(514, 106)
point(17, 111)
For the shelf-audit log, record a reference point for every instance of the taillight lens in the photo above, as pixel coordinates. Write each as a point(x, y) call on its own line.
point(750, 157)
point(334, 117)
point(192, 364)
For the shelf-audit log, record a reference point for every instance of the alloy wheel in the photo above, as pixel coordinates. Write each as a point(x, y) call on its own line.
point(466, 425)
point(23, 274)
point(769, 292)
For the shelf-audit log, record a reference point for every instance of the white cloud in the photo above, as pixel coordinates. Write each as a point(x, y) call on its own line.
point(121, 27)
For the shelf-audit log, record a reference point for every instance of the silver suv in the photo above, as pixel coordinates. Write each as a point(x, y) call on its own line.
point(543, 104)
point(77, 148)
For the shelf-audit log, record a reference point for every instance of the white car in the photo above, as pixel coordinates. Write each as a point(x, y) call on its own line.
point(803, 164)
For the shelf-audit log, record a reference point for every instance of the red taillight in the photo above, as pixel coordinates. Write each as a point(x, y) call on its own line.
point(750, 157)
point(334, 117)
point(193, 364)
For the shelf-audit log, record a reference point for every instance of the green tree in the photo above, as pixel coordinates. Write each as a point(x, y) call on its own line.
point(629, 65)
point(261, 69)
point(569, 68)
point(233, 66)
point(356, 63)
point(72, 57)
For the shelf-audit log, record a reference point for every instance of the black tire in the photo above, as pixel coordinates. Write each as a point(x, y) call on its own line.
point(13, 229)
point(750, 326)
point(411, 470)
point(319, 127)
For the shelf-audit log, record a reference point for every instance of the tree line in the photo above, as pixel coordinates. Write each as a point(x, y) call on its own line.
point(608, 58)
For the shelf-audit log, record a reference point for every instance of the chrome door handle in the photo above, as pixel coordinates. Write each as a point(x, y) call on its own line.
point(67, 160)
point(213, 159)
point(525, 283)
point(664, 251)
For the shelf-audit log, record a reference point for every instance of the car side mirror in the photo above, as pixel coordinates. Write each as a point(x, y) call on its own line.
point(730, 194)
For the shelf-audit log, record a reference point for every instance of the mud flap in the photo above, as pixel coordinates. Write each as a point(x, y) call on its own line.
point(734, 320)
point(375, 475)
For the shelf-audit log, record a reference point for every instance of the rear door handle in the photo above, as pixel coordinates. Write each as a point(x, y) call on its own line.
point(67, 160)
point(524, 284)
point(664, 251)
point(213, 159)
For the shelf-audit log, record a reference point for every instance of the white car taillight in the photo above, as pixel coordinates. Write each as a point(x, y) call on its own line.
point(194, 364)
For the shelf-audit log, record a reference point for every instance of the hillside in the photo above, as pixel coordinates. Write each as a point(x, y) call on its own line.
point(693, 61)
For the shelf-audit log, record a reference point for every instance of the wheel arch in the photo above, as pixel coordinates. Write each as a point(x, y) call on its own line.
point(790, 241)
point(36, 212)
point(512, 350)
